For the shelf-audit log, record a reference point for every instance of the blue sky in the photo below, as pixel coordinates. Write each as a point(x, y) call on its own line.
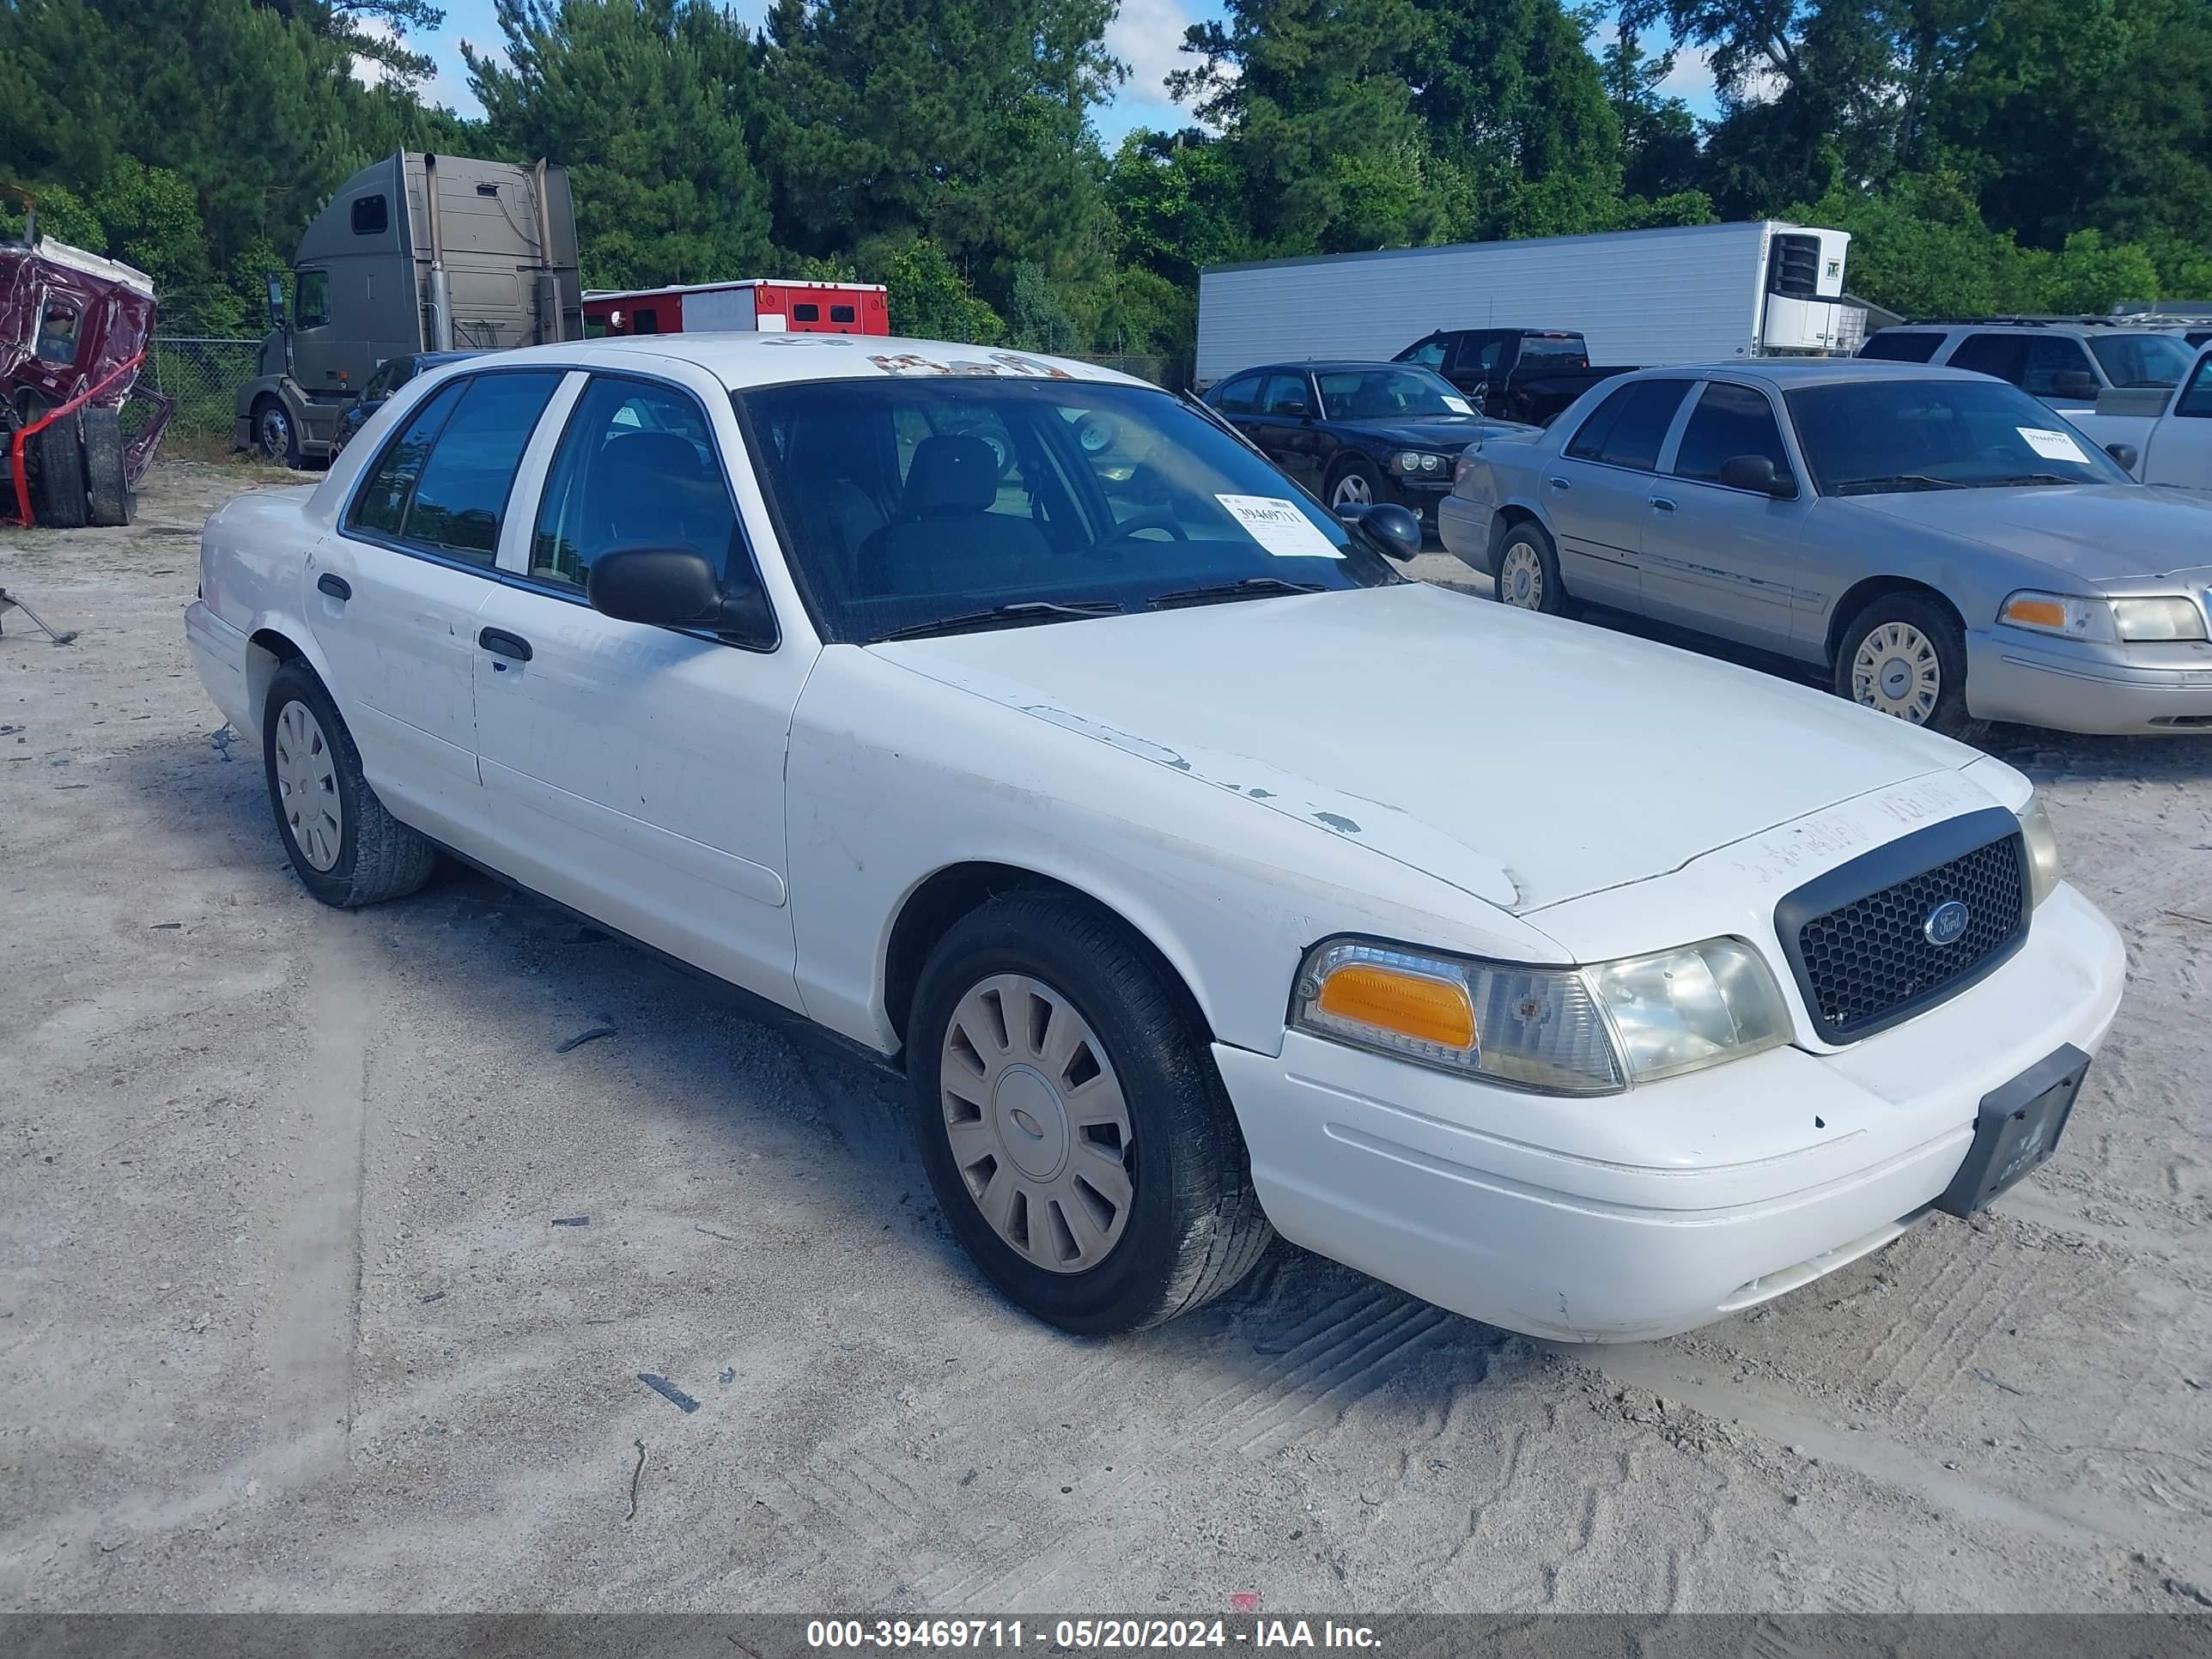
point(1145, 36)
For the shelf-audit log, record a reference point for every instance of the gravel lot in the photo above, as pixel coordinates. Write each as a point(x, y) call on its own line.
point(288, 1320)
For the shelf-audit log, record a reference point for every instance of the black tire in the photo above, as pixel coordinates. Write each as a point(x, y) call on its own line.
point(276, 433)
point(378, 857)
point(1936, 625)
point(1538, 588)
point(1193, 1227)
point(57, 464)
point(1359, 467)
point(106, 483)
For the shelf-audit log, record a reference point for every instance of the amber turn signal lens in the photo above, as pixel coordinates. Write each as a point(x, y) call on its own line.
point(2036, 612)
point(1412, 1005)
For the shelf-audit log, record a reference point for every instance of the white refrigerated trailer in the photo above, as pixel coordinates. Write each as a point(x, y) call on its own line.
point(1687, 294)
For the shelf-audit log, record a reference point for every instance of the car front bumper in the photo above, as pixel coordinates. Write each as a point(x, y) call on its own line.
point(2148, 691)
point(1422, 496)
point(1731, 1185)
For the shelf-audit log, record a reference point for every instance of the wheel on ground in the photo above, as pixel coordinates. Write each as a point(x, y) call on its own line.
point(56, 468)
point(346, 849)
point(1079, 1138)
point(1356, 482)
point(276, 435)
point(106, 482)
point(1904, 655)
point(1526, 573)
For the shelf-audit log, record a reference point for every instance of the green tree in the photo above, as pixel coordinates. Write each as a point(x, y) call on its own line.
point(1658, 134)
point(930, 300)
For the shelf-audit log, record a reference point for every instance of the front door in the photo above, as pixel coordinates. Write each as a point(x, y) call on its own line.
point(1283, 427)
point(392, 597)
point(1596, 492)
point(637, 772)
point(2179, 450)
point(1723, 561)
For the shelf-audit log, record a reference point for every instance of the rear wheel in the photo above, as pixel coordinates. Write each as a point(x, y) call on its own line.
point(1527, 571)
point(57, 466)
point(1078, 1139)
point(106, 482)
point(1904, 655)
point(346, 849)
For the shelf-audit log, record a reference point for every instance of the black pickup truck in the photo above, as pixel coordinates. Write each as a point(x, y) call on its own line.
point(1525, 375)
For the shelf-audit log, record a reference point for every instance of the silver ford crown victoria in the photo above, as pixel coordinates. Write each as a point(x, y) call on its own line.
point(1948, 549)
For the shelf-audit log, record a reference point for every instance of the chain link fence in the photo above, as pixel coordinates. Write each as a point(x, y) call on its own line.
point(203, 374)
point(1170, 372)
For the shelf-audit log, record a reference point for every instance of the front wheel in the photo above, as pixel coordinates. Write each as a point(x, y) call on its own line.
point(1904, 655)
point(1078, 1137)
point(1357, 483)
point(275, 433)
point(346, 849)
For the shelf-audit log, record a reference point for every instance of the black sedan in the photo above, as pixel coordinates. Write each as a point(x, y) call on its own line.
point(1357, 432)
point(390, 374)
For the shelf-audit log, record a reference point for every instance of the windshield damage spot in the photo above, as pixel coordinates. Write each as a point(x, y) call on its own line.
point(997, 365)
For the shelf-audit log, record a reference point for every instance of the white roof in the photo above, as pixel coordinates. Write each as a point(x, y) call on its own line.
point(714, 287)
point(743, 358)
point(112, 270)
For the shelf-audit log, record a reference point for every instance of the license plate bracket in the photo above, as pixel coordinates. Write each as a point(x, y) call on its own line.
point(2017, 1129)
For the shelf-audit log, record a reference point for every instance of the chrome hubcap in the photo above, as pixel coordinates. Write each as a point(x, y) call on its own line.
point(307, 786)
point(1521, 577)
point(1037, 1124)
point(1351, 491)
point(1897, 670)
point(276, 433)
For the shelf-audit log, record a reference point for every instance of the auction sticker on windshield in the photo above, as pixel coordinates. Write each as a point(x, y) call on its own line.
point(1279, 526)
point(1458, 405)
point(2051, 445)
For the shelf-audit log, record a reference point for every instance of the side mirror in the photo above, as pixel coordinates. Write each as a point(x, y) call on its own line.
point(1756, 473)
point(675, 587)
point(1390, 529)
point(2075, 385)
point(1297, 409)
point(277, 301)
point(2126, 454)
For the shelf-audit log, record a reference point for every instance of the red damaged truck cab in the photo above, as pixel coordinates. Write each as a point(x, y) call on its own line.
point(74, 331)
point(757, 304)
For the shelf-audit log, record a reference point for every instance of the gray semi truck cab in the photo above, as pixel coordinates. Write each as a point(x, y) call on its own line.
point(415, 253)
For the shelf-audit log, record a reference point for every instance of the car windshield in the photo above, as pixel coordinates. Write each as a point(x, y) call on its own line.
point(2141, 360)
point(1388, 394)
point(909, 505)
point(1877, 437)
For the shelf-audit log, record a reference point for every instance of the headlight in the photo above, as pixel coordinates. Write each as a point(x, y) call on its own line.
point(2104, 622)
point(2042, 871)
point(1592, 1031)
point(1413, 460)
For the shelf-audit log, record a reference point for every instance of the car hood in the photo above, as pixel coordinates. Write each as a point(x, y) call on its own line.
point(1524, 759)
point(1453, 433)
point(2096, 533)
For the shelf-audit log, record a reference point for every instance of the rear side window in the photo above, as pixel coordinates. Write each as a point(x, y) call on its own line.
point(841, 313)
point(806, 314)
point(1901, 345)
point(370, 218)
point(451, 498)
point(1630, 427)
point(2004, 355)
point(1728, 421)
point(636, 468)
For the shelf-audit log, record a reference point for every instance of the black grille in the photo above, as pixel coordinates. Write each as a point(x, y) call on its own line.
point(1858, 937)
point(1793, 267)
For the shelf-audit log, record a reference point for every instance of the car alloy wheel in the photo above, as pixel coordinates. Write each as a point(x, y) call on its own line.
point(1521, 577)
point(307, 786)
point(1351, 491)
point(1896, 670)
point(1039, 1129)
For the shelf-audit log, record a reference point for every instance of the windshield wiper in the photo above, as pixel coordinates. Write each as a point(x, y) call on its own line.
point(1896, 481)
point(1250, 587)
point(1024, 611)
point(2030, 478)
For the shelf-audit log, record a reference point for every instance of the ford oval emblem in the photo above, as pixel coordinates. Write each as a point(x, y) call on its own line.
point(1946, 922)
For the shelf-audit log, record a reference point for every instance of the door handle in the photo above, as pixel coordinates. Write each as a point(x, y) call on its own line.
point(1558, 483)
point(1664, 503)
point(501, 643)
point(337, 586)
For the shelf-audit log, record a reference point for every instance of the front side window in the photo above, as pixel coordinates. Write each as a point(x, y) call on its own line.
point(2133, 361)
point(1884, 437)
point(2197, 403)
point(310, 299)
point(1728, 421)
point(1388, 394)
point(2049, 358)
point(1430, 354)
point(1285, 395)
point(908, 506)
point(442, 483)
point(1629, 429)
point(57, 332)
point(636, 468)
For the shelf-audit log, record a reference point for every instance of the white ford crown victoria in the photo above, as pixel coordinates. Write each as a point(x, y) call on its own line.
point(1214, 881)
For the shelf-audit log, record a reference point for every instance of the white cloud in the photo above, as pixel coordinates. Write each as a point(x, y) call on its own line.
point(1691, 78)
point(1148, 36)
point(367, 71)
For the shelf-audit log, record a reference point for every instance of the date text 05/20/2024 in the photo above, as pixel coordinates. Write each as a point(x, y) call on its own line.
point(939, 1634)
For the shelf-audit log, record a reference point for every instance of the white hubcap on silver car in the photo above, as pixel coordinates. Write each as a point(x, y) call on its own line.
point(1037, 1122)
point(1897, 670)
point(1351, 491)
point(1521, 577)
point(307, 786)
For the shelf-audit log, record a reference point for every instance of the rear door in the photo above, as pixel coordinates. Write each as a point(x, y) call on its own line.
point(2179, 451)
point(1597, 490)
point(394, 595)
point(1723, 561)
